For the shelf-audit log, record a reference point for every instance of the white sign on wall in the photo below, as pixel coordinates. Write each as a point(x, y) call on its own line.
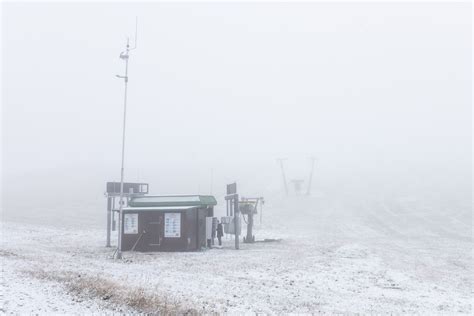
point(172, 225)
point(130, 224)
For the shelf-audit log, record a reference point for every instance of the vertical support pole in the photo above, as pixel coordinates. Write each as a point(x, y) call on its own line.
point(249, 238)
point(283, 175)
point(114, 225)
point(308, 191)
point(118, 255)
point(109, 220)
point(236, 219)
point(113, 213)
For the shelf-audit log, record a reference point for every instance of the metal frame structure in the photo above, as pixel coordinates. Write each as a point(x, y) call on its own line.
point(134, 189)
point(298, 183)
point(250, 238)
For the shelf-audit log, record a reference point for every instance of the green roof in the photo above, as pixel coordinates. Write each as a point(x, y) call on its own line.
point(173, 200)
point(159, 208)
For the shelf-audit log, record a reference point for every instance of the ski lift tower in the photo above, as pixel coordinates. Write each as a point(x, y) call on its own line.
point(249, 206)
point(298, 183)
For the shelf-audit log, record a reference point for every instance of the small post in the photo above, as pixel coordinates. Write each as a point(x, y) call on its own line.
point(236, 219)
point(109, 220)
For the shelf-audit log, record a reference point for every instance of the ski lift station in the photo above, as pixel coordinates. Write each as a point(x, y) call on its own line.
point(158, 223)
point(166, 223)
point(174, 222)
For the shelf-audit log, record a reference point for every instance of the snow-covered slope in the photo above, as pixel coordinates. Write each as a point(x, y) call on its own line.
point(372, 257)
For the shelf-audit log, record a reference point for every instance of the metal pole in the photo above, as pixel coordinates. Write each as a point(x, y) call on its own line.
point(249, 238)
point(125, 57)
point(236, 220)
point(114, 225)
point(308, 191)
point(109, 220)
point(284, 176)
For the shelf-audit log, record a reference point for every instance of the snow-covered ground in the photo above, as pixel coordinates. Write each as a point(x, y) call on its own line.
point(377, 257)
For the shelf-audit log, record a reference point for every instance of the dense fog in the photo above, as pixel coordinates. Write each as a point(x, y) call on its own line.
point(380, 94)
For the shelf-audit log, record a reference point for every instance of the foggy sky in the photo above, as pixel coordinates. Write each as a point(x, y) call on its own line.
point(377, 92)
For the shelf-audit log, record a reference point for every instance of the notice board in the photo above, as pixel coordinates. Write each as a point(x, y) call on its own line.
point(172, 225)
point(130, 224)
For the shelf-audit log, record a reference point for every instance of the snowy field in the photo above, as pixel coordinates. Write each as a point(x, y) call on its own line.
point(377, 257)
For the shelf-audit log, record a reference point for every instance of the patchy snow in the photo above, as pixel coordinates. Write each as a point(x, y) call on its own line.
point(21, 294)
point(386, 258)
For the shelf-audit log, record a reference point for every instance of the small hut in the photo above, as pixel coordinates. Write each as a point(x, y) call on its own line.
point(166, 223)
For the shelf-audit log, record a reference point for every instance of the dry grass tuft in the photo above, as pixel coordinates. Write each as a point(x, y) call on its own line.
point(7, 253)
point(113, 294)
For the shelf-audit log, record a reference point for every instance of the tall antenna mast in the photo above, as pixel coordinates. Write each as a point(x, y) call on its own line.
point(283, 174)
point(124, 56)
